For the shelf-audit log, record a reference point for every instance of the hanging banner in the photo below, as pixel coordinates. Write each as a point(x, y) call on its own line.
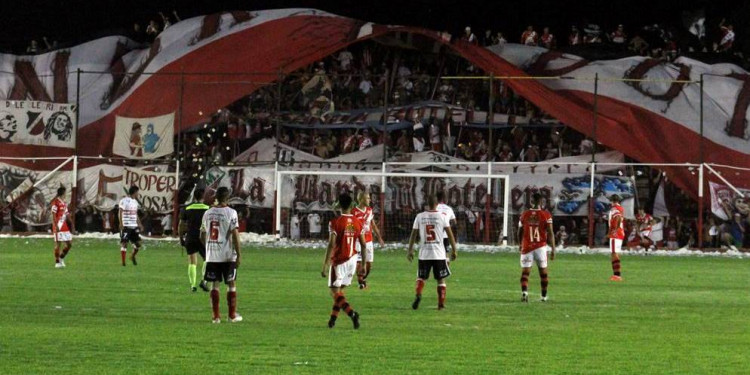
point(144, 138)
point(725, 202)
point(157, 189)
point(37, 123)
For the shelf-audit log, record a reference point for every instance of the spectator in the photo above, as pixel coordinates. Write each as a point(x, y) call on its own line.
point(727, 37)
point(403, 144)
point(499, 39)
point(418, 141)
point(365, 86)
point(488, 40)
point(152, 30)
point(165, 21)
point(574, 38)
point(50, 47)
point(166, 224)
point(592, 34)
point(586, 147)
point(561, 236)
point(638, 45)
point(714, 231)
point(365, 141)
point(435, 141)
point(345, 60)
point(547, 39)
point(33, 48)
point(618, 36)
point(469, 36)
point(529, 37)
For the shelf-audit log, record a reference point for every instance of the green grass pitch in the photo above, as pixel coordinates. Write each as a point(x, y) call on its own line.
point(669, 316)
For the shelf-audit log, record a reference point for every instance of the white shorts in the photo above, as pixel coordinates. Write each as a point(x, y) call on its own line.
point(63, 237)
point(370, 251)
point(615, 245)
point(539, 256)
point(342, 274)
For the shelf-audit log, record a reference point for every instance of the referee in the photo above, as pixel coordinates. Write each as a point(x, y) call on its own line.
point(189, 231)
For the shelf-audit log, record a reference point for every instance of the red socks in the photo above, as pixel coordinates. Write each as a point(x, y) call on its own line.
point(420, 285)
point(441, 295)
point(232, 303)
point(215, 303)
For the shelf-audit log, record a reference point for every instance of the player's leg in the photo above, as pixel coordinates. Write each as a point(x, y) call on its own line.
point(192, 271)
point(360, 270)
point(65, 250)
point(441, 271)
point(526, 262)
point(136, 248)
point(123, 250)
point(615, 246)
point(214, 277)
point(202, 252)
point(369, 256)
point(423, 273)
point(540, 257)
point(230, 277)
point(57, 252)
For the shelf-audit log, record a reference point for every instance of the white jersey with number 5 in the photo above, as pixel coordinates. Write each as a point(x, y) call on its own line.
point(218, 224)
point(129, 210)
point(431, 225)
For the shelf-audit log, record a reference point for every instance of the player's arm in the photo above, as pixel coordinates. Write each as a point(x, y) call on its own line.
point(452, 240)
point(412, 240)
point(618, 224)
point(329, 250)
point(203, 233)
point(236, 242)
point(120, 213)
point(182, 228)
point(53, 211)
point(519, 235)
point(376, 230)
point(138, 220)
point(550, 234)
point(363, 244)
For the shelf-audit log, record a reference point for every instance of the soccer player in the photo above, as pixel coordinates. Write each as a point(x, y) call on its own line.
point(430, 225)
point(130, 225)
point(189, 231)
point(220, 235)
point(447, 211)
point(340, 261)
point(616, 234)
point(60, 229)
point(363, 212)
point(534, 229)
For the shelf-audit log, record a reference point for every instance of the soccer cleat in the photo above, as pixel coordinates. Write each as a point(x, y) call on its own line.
point(524, 297)
point(62, 262)
point(332, 322)
point(237, 318)
point(441, 306)
point(194, 289)
point(216, 321)
point(615, 278)
point(132, 259)
point(544, 299)
point(355, 319)
point(204, 286)
point(417, 300)
point(363, 285)
point(59, 265)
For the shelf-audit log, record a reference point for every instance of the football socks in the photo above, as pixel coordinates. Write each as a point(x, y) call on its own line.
point(192, 275)
point(215, 303)
point(524, 280)
point(616, 267)
point(545, 280)
point(232, 302)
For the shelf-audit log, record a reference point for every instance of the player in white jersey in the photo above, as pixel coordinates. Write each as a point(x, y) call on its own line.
point(447, 211)
point(130, 225)
point(220, 234)
point(430, 225)
point(364, 213)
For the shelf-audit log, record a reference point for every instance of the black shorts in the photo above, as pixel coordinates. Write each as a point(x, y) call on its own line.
point(224, 271)
point(130, 235)
point(440, 269)
point(193, 247)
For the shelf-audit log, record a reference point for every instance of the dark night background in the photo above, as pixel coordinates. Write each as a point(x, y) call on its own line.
point(75, 21)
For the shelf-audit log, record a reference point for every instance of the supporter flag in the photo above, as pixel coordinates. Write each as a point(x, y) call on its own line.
point(30, 122)
point(144, 138)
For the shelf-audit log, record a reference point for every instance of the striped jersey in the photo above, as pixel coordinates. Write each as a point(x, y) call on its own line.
point(218, 224)
point(431, 226)
point(129, 212)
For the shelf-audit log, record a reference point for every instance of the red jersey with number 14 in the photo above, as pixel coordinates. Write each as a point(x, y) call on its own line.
point(365, 216)
point(60, 215)
point(534, 223)
point(347, 229)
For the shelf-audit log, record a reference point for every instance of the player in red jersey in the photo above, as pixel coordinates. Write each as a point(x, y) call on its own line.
point(534, 228)
point(616, 234)
point(340, 261)
point(60, 228)
point(363, 212)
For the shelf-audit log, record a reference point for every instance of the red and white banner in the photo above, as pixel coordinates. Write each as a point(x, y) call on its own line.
point(144, 138)
point(37, 123)
point(648, 121)
point(725, 202)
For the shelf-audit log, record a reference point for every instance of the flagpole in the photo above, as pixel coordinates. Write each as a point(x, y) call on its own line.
point(74, 185)
point(700, 170)
point(593, 161)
